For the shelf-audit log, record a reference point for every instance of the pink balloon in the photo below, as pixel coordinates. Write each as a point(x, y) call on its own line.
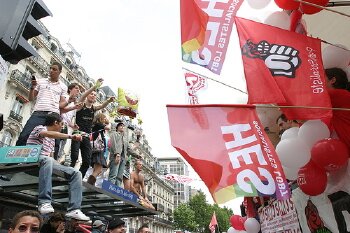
point(237, 222)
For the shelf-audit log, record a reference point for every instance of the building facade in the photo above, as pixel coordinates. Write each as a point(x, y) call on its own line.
point(175, 165)
point(16, 109)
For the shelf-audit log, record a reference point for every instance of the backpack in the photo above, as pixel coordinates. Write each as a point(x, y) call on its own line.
point(98, 144)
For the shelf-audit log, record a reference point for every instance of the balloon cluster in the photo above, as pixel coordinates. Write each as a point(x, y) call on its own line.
point(307, 154)
point(243, 225)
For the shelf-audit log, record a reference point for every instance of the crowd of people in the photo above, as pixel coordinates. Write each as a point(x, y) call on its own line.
point(61, 114)
point(30, 221)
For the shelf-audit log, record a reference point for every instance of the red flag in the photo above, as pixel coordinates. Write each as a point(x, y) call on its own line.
point(213, 223)
point(211, 54)
point(283, 67)
point(193, 25)
point(232, 154)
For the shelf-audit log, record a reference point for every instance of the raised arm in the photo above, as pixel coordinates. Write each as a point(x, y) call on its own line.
point(104, 104)
point(91, 89)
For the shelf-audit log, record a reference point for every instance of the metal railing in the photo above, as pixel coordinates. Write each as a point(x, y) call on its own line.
point(16, 116)
point(164, 221)
point(41, 63)
point(21, 78)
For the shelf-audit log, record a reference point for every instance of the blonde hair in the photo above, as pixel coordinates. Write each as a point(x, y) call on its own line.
point(99, 118)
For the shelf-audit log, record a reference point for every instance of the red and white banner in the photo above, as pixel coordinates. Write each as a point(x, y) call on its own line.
point(194, 83)
point(178, 178)
point(279, 216)
point(285, 68)
point(230, 152)
point(217, 36)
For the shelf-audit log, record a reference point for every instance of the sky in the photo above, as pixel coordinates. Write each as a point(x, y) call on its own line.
point(135, 45)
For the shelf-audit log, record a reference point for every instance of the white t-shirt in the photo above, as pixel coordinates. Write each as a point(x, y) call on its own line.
point(49, 94)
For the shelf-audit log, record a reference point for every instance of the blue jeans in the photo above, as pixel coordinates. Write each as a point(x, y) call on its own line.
point(116, 171)
point(37, 118)
point(48, 166)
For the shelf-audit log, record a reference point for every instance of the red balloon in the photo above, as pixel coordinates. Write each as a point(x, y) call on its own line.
point(237, 222)
point(308, 9)
point(287, 4)
point(331, 154)
point(312, 179)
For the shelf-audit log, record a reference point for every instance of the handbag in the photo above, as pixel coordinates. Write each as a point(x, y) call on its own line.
point(98, 144)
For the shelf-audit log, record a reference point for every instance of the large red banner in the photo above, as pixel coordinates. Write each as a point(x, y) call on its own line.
point(285, 68)
point(221, 18)
point(231, 152)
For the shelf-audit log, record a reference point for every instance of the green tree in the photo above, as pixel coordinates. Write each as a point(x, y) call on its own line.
point(202, 210)
point(184, 218)
point(196, 215)
point(223, 217)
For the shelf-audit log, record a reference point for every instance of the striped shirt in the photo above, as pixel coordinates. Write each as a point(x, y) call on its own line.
point(48, 144)
point(49, 94)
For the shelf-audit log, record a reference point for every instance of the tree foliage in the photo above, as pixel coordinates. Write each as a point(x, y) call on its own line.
point(184, 218)
point(201, 213)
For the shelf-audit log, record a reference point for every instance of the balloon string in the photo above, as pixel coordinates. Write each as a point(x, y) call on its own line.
point(322, 7)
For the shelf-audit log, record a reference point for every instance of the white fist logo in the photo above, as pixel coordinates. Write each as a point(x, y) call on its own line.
point(281, 60)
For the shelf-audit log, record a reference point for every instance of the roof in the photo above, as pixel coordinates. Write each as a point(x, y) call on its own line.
point(22, 191)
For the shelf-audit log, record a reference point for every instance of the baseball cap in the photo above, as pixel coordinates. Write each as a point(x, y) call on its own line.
point(98, 223)
point(115, 223)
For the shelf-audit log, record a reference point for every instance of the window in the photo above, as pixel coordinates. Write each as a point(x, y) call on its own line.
point(6, 139)
point(53, 47)
point(18, 106)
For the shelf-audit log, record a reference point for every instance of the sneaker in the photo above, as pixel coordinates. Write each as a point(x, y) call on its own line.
point(46, 208)
point(78, 215)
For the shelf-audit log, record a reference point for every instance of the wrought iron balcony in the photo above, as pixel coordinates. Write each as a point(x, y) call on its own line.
point(164, 221)
point(40, 63)
point(16, 116)
point(44, 40)
point(23, 80)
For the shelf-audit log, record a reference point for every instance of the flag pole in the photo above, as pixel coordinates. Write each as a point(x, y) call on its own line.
point(322, 7)
point(306, 107)
point(214, 80)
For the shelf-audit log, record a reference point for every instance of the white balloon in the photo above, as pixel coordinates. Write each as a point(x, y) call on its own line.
point(258, 4)
point(312, 131)
point(278, 19)
point(290, 173)
point(333, 56)
point(252, 225)
point(232, 230)
point(290, 133)
point(293, 153)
